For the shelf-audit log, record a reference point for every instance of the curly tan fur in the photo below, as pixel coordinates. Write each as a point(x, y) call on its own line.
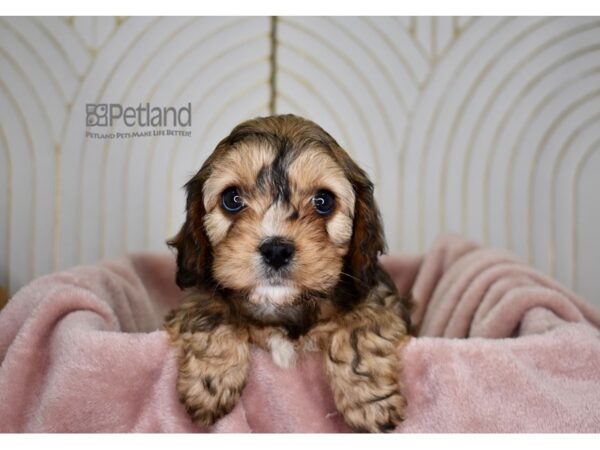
point(363, 366)
point(213, 357)
point(333, 296)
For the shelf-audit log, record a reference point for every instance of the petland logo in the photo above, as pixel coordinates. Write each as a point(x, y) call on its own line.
point(142, 116)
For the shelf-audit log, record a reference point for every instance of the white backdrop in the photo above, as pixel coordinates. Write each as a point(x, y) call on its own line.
point(488, 127)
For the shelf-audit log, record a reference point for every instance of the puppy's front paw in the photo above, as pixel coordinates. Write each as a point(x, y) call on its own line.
point(364, 372)
point(212, 374)
point(381, 414)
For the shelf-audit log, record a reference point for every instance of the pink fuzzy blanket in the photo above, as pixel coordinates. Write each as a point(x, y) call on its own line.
point(82, 351)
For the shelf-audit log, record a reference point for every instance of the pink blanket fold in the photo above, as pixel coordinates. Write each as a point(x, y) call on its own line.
point(81, 350)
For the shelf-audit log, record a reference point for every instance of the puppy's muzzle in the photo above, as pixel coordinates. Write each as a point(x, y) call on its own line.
point(277, 252)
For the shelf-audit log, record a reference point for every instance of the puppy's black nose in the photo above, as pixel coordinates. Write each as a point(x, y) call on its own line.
point(277, 252)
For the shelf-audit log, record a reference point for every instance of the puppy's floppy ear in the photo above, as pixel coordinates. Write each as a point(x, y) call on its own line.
point(361, 263)
point(368, 241)
point(194, 252)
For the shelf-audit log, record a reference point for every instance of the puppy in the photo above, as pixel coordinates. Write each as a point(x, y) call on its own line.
point(280, 249)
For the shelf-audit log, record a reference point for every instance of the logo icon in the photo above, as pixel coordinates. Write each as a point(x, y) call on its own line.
point(96, 114)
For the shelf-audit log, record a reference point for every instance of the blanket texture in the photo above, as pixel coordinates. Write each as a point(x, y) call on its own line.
point(82, 350)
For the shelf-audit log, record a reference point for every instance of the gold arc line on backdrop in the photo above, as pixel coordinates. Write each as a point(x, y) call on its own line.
point(412, 25)
point(453, 39)
point(530, 189)
point(41, 23)
point(422, 86)
point(434, 114)
point(140, 70)
point(516, 68)
point(58, 151)
point(511, 169)
point(32, 148)
point(574, 233)
point(137, 36)
point(522, 63)
point(31, 151)
point(146, 25)
point(593, 147)
point(483, 71)
point(401, 165)
point(322, 100)
point(410, 70)
point(483, 114)
point(95, 40)
point(374, 95)
point(91, 64)
point(581, 100)
point(40, 60)
point(383, 69)
point(106, 148)
point(431, 72)
point(551, 95)
point(273, 39)
point(565, 149)
point(49, 132)
point(8, 214)
point(295, 106)
point(455, 27)
point(519, 99)
point(91, 37)
point(370, 54)
point(468, 22)
point(433, 37)
point(521, 135)
point(412, 31)
point(552, 238)
point(32, 88)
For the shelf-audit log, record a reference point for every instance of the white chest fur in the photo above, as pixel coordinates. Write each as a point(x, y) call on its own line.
point(282, 351)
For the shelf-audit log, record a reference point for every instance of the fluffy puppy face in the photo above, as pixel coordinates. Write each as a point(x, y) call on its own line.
point(279, 216)
point(270, 235)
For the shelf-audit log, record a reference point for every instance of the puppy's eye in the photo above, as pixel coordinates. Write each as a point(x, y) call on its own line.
point(231, 200)
point(324, 202)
